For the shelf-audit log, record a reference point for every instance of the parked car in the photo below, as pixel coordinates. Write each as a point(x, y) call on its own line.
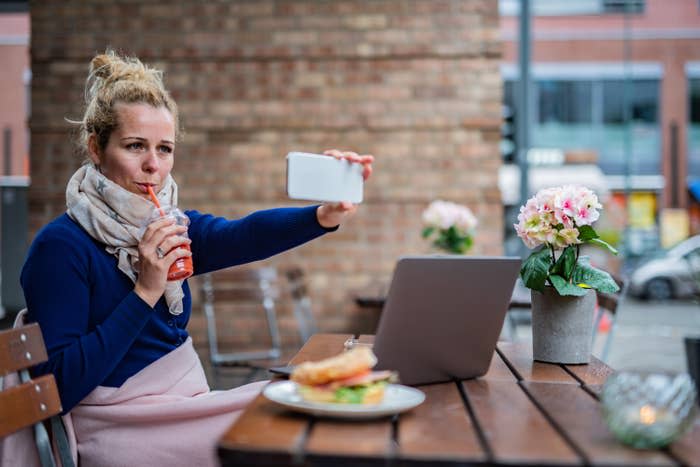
point(671, 273)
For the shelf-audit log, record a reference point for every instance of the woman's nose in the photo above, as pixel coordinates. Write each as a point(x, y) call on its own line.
point(150, 162)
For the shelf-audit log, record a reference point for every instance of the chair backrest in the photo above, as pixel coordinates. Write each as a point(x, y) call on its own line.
point(33, 400)
point(611, 301)
point(228, 295)
point(297, 283)
point(296, 279)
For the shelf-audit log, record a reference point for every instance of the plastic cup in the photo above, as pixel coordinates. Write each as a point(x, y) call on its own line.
point(182, 267)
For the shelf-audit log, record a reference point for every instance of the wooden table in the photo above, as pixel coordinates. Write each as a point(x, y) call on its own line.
point(520, 413)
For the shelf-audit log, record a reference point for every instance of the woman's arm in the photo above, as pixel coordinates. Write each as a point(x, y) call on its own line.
point(56, 280)
point(219, 243)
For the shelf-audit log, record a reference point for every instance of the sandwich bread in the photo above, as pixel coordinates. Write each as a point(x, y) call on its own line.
point(346, 378)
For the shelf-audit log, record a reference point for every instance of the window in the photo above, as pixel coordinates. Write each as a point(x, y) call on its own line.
point(589, 113)
point(572, 7)
point(642, 96)
point(564, 101)
point(694, 128)
point(623, 6)
point(14, 6)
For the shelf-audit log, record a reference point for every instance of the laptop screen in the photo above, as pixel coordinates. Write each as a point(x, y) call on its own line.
point(443, 316)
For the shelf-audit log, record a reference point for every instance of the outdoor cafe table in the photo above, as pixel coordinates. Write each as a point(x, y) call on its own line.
point(520, 413)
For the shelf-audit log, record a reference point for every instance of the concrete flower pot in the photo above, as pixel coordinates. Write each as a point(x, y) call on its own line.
point(562, 326)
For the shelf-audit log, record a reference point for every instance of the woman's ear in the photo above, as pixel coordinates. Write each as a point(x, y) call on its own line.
point(93, 149)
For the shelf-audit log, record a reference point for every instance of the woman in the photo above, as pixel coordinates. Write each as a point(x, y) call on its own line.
point(95, 280)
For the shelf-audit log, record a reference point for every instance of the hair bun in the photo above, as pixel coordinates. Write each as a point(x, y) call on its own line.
point(101, 65)
point(109, 68)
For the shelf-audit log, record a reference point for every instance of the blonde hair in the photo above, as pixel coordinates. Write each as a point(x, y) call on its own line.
point(115, 79)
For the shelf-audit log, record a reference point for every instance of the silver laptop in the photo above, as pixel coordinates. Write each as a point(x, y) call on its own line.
point(443, 316)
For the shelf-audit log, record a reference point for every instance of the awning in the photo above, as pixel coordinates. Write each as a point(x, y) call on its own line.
point(539, 177)
point(694, 188)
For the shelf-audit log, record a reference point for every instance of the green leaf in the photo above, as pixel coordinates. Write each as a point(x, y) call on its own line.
point(536, 268)
point(566, 288)
point(586, 233)
point(466, 244)
point(594, 277)
point(604, 244)
point(565, 264)
point(428, 231)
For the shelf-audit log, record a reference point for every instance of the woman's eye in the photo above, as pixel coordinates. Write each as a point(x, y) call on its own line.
point(166, 149)
point(134, 146)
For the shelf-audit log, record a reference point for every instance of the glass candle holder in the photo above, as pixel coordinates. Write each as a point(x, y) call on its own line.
point(648, 410)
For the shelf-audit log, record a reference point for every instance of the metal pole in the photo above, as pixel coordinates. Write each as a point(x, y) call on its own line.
point(7, 151)
point(523, 98)
point(675, 169)
point(627, 121)
point(523, 112)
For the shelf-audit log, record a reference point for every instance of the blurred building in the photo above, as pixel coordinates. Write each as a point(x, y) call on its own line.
point(15, 78)
point(597, 64)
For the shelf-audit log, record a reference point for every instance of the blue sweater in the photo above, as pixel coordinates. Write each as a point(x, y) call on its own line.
point(97, 331)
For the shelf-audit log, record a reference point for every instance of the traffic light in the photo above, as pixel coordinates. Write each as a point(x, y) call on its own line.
point(509, 150)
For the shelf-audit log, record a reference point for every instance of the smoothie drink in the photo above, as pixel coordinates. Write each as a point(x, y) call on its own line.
point(182, 267)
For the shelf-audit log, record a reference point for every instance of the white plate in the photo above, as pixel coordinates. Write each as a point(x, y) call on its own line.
point(397, 398)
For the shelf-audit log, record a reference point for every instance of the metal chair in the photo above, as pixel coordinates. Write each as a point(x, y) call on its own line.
point(302, 303)
point(519, 309)
point(609, 302)
point(239, 288)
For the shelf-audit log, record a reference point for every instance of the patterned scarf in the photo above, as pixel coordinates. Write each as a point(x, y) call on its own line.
point(114, 216)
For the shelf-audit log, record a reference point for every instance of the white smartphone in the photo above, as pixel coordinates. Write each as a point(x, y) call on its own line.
point(315, 177)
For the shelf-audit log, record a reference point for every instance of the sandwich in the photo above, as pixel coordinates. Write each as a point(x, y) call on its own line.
point(345, 379)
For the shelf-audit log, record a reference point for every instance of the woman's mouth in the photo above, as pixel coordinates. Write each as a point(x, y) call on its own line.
point(143, 187)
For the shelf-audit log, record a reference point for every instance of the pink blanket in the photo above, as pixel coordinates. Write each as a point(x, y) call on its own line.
point(165, 415)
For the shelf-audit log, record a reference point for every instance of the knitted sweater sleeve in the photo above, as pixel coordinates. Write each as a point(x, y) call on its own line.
point(56, 280)
point(219, 243)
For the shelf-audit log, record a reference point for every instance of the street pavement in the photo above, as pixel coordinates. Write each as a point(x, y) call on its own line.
point(647, 335)
point(650, 335)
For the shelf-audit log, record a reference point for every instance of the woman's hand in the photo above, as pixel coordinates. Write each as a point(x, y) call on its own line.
point(366, 160)
point(332, 214)
point(157, 252)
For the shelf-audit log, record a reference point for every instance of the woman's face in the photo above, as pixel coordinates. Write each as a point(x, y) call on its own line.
point(140, 151)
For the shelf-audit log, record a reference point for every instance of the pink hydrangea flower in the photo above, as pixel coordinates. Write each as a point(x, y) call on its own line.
point(554, 214)
point(445, 214)
point(450, 225)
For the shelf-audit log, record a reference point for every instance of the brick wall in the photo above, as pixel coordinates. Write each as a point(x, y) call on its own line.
point(414, 82)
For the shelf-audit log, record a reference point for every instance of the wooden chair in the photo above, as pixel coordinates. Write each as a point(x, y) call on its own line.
point(228, 295)
point(303, 313)
point(31, 401)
